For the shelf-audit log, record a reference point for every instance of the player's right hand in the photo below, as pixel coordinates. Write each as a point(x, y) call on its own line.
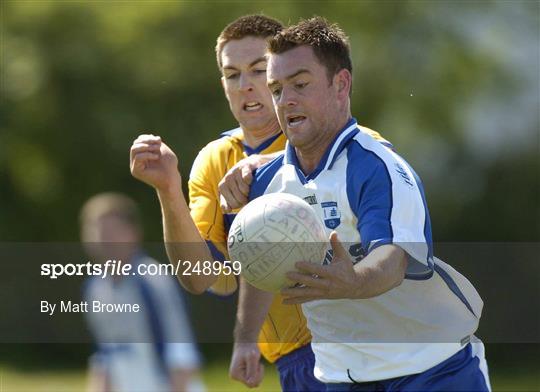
point(154, 163)
point(235, 184)
point(246, 366)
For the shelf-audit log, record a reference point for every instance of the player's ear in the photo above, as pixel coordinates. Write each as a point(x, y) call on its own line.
point(343, 80)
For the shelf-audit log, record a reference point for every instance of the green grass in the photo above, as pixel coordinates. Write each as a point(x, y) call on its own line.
point(215, 376)
point(216, 379)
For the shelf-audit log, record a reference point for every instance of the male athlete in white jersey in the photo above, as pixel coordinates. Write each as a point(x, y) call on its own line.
point(384, 313)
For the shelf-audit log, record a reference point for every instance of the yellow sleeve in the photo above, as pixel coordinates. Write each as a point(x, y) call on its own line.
point(206, 211)
point(374, 134)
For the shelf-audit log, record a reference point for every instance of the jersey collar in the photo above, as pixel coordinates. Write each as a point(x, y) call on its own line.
point(329, 157)
point(238, 134)
point(261, 147)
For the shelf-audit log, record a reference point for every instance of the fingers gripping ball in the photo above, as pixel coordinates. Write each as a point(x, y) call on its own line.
point(271, 234)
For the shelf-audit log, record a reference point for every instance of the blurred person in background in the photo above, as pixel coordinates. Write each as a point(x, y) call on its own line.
point(148, 350)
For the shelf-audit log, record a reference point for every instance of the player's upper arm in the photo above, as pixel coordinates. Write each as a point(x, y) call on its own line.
point(207, 214)
point(204, 197)
point(388, 201)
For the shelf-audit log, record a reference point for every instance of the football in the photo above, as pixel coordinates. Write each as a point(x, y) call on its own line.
point(271, 234)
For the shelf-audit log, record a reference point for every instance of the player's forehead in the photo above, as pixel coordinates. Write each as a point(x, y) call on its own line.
point(243, 52)
point(283, 65)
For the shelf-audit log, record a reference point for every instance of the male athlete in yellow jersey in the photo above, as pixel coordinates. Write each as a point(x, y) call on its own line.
point(284, 338)
point(240, 53)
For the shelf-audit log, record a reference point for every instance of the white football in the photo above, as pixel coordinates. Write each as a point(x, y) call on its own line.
point(271, 234)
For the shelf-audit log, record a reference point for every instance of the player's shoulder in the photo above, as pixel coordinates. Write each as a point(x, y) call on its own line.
point(367, 146)
point(377, 160)
point(213, 157)
point(367, 133)
point(227, 140)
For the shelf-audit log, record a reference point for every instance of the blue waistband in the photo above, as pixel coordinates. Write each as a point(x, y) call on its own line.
point(294, 356)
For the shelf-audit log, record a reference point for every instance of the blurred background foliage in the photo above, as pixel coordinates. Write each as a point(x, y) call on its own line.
point(454, 85)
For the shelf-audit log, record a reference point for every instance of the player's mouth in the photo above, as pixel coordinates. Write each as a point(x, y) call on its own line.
point(294, 120)
point(252, 106)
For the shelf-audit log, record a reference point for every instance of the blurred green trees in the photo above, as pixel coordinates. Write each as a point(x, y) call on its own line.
point(454, 85)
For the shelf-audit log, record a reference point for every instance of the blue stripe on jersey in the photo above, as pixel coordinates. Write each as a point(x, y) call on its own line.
point(216, 254)
point(263, 176)
point(263, 146)
point(227, 221)
point(453, 287)
point(291, 158)
point(248, 150)
point(369, 191)
point(155, 322)
point(351, 133)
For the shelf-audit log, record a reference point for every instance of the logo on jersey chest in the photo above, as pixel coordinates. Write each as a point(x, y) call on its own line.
point(332, 216)
point(311, 200)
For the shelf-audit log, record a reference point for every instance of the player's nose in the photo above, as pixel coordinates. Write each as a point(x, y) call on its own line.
point(245, 83)
point(287, 98)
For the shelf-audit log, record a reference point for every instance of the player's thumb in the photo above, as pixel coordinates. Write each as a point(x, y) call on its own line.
point(338, 249)
point(223, 204)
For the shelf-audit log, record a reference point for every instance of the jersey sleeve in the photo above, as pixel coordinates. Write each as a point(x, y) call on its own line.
point(204, 199)
point(207, 214)
point(389, 203)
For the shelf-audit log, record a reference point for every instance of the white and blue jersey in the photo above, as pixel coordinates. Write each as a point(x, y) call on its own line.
point(139, 350)
point(371, 197)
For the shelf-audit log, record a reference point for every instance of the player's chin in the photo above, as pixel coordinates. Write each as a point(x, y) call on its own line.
point(296, 139)
point(255, 121)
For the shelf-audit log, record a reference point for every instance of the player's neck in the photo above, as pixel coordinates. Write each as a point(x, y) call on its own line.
point(310, 156)
point(255, 137)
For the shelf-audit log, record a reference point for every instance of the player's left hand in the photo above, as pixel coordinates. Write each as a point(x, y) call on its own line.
point(333, 281)
point(246, 366)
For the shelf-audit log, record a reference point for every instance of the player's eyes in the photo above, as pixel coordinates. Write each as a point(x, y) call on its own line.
point(231, 76)
point(300, 85)
point(260, 71)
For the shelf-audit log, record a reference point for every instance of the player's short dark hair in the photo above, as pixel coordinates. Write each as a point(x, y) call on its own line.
point(329, 42)
point(110, 204)
point(247, 26)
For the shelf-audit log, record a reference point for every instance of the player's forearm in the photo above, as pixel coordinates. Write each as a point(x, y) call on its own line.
point(253, 306)
point(380, 271)
point(183, 241)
